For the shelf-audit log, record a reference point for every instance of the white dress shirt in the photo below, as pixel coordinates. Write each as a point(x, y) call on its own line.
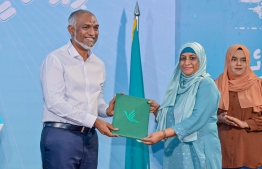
point(72, 88)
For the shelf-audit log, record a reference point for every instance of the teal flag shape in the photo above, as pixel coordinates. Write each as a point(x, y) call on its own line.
point(137, 154)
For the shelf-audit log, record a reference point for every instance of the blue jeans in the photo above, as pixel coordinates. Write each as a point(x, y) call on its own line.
point(64, 149)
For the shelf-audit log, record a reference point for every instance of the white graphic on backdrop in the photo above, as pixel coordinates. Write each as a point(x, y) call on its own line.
point(6, 11)
point(26, 1)
point(78, 4)
point(257, 56)
point(250, 1)
point(257, 9)
point(74, 5)
point(55, 2)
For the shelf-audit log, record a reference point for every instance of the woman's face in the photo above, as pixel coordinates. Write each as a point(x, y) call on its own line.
point(238, 63)
point(189, 63)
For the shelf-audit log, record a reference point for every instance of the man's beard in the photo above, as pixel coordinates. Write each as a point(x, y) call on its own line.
point(82, 44)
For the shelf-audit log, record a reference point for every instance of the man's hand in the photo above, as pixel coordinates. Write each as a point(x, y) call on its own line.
point(111, 107)
point(105, 128)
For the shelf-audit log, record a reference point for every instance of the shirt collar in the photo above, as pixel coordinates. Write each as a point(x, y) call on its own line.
point(73, 52)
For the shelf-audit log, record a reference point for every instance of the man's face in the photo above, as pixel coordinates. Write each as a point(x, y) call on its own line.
point(85, 31)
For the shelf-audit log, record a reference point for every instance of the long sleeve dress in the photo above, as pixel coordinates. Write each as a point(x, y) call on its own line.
point(241, 147)
point(205, 152)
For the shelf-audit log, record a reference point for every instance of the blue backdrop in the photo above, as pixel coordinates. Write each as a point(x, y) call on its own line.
point(30, 29)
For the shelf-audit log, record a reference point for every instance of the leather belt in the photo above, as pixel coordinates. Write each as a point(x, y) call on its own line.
point(70, 127)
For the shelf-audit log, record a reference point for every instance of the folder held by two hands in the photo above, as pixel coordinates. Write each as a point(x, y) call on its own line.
point(131, 116)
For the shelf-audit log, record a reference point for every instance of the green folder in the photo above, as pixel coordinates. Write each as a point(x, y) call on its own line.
point(131, 116)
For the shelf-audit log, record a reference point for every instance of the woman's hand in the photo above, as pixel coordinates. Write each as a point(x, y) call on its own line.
point(153, 138)
point(238, 123)
point(222, 118)
point(153, 106)
point(233, 121)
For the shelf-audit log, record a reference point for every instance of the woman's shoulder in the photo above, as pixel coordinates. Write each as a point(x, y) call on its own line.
point(207, 89)
point(208, 86)
point(207, 81)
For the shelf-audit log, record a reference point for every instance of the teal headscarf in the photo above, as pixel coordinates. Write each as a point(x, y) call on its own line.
point(186, 87)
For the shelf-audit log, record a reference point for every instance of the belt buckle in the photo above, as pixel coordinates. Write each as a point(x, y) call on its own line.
point(83, 129)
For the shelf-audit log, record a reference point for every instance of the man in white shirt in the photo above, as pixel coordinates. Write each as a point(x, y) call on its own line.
point(72, 81)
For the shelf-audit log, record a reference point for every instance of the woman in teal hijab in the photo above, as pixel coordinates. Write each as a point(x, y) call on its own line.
point(187, 117)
